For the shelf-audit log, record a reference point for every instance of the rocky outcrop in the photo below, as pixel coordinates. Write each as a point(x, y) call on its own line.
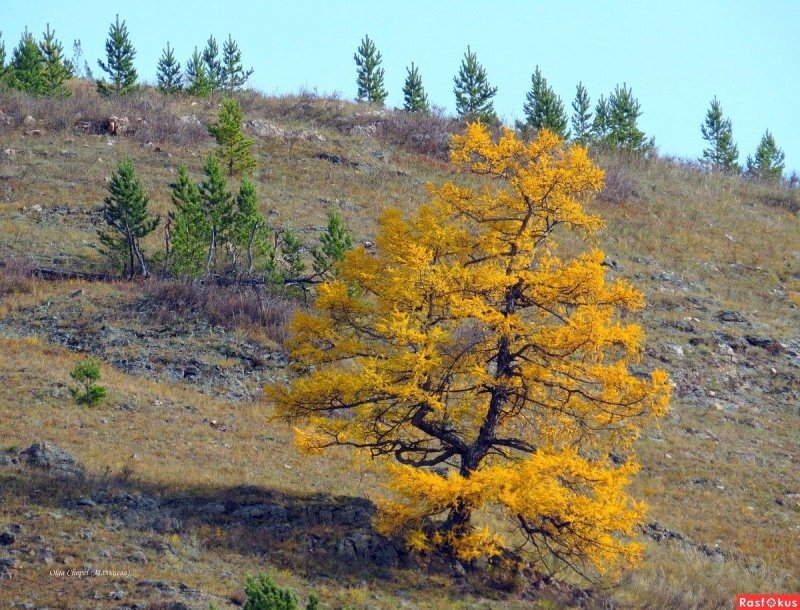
point(118, 126)
point(53, 459)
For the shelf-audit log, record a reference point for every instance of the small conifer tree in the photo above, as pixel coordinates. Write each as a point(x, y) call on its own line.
point(3, 67)
point(616, 122)
point(414, 97)
point(119, 62)
point(55, 68)
point(313, 603)
point(218, 208)
point(188, 232)
point(233, 147)
point(213, 65)
point(544, 109)
point(87, 373)
point(197, 80)
point(473, 92)
point(250, 233)
point(125, 212)
point(26, 70)
point(234, 75)
point(370, 74)
point(768, 163)
point(168, 72)
point(600, 122)
point(581, 116)
point(334, 244)
point(722, 153)
point(291, 258)
point(77, 57)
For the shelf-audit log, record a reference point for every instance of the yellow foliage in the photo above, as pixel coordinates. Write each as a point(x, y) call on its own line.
point(465, 343)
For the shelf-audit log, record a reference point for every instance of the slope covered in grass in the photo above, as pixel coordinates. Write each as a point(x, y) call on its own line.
point(185, 426)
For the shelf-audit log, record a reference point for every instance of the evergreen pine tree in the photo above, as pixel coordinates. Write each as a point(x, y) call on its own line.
point(125, 213)
point(264, 594)
point(334, 243)
point(291, 259)
point(313, 603)
point(233, 147)
point(197, 81)
point(26, 70)
point(768, 163)
point(581, 116)
point(473, 92)
point(55, 68)
point(188, 231)
point(370, 74)
point(600, 122)
point(722, 153)
point(414, 97)
point(213, 65)
point(168, 72)
point(119, 62)
point(77, 58)
point(234, 76)
point(250, 233)
point(3, 67)
point(616, 121)
point(218, 208)
point(543, 108)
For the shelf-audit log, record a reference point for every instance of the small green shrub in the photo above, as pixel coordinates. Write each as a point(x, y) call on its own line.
point(87, 373)
point(263, 594)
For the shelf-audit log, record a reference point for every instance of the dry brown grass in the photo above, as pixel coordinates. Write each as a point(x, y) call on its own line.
point(249, 308)
point(733, 244)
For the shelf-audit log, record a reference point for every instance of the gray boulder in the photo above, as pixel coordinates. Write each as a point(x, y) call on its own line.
point(49, 457)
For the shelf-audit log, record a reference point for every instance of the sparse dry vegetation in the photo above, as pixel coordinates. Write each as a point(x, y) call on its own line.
point(717, 257)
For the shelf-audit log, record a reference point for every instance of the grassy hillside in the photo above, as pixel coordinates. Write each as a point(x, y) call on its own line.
point(185, 427)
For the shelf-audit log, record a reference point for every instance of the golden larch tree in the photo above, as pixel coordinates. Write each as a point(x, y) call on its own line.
point(493, 374)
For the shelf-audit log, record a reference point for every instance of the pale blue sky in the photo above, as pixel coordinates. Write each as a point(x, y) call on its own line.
point(676, 54)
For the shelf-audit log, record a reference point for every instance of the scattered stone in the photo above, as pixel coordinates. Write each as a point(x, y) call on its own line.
point(271, 512)
point(47, 556)
point(659, 533)
point(367, 547)
point(264, 129)
point(28, 120)
point(7, 538)
point(772, 346)
point(117, 595)
point(36, 208)
point(159, 585)
point(676, 349)
point(337, 160)
point(365, 130)
point(685, 326)
point(57, 461)
point(731, 316)
point(190, 120)
point(117, 126)
point(137, 557)
point(212, 509)
point(713, 552)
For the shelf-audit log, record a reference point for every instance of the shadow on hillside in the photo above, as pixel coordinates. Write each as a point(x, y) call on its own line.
point(315, 535)
point(318, 534)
